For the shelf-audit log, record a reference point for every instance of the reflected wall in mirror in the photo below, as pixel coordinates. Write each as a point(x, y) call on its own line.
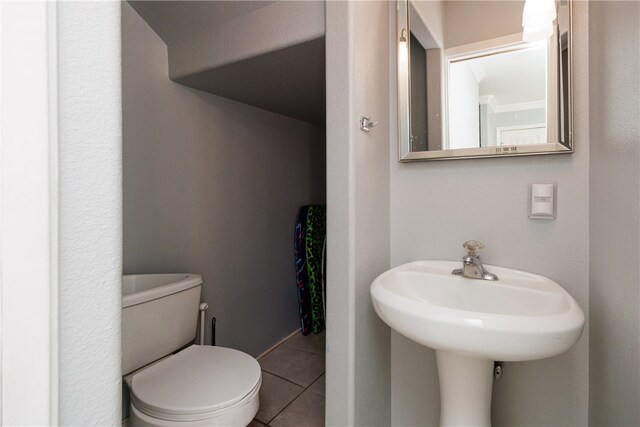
point(470, 85)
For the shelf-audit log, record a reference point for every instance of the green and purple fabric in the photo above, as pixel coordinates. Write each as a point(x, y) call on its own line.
point(310, 235)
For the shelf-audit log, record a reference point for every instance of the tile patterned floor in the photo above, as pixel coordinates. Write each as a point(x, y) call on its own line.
point(292, 393)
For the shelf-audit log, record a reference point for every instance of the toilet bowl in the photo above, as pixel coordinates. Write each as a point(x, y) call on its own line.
point(197, 386)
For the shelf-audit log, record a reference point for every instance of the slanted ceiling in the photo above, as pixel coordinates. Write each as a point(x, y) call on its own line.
point(267, 54)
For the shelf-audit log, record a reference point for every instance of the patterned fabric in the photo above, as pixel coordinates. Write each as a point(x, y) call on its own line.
point(316, 234)
point(310, 235)
point(302, 278)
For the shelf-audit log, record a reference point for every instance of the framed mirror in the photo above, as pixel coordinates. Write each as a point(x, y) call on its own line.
point(472, 83)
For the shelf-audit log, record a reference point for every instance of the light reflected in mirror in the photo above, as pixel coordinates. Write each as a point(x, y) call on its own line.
point(469, 86)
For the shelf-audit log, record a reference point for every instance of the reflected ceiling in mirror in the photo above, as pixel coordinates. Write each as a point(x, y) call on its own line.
point(469, 86)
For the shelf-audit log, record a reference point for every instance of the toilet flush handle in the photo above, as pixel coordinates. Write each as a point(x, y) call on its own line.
point(203, 310)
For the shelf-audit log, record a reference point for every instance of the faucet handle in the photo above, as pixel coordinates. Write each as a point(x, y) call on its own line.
point(473, 247)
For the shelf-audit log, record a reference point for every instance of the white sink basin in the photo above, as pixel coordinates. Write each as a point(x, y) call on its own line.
point(522, 316)
point(471, 323)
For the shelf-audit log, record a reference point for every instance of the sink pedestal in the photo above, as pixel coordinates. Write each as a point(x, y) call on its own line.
point(465, 389)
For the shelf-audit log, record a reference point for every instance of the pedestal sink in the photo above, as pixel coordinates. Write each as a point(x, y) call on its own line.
point(472, 323)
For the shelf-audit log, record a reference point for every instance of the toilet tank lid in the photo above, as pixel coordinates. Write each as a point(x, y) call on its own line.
point(139, 288)
point(197, 380)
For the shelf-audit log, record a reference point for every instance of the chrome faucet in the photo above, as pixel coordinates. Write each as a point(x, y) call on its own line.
point(471, 265)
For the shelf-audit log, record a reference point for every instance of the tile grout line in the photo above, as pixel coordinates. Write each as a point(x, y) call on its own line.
point(296, 398)
point(288, 380)
point(283, 343)
point(292, 400)
point(304, 351)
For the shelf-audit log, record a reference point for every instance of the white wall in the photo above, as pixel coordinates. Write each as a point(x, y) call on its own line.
point(487, 127)
point(358, 345)
point(436, 206)
point(90, 224)
point(212, 186)
point(28, 214)
point(614, 73)
point(463, 114)
point(431, 12)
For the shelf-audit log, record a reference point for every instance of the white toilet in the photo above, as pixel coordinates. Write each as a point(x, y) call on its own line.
point(199, 385)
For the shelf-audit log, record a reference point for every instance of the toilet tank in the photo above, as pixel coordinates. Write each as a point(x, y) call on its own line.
point(159, 316)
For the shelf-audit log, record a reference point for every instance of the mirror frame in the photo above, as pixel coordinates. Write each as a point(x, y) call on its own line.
point(404, 106)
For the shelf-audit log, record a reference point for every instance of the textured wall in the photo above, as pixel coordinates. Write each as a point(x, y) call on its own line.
point(340, 357)
point(90, 224)
point(371, 167)
point(436, 206)
point(614, 73)
point(212, 186)
point(358, 383)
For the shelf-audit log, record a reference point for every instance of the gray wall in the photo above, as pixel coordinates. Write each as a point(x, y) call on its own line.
point(358, 382)
point(212, 186)
point(490, 120)
point(470, 21)
point(371, 209)
point(523, 117)
point(614, 74)
point(266, 54)
point(435, 206)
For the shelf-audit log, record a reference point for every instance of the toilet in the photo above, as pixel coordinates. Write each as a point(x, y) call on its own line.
point(172, 383)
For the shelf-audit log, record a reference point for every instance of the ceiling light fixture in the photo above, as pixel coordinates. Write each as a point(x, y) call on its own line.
point(537, 19)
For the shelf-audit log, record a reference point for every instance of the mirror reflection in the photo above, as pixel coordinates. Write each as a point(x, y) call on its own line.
point(483, 78)
point(499, 99)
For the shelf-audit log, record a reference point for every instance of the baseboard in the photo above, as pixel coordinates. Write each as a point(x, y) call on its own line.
point(273, 347)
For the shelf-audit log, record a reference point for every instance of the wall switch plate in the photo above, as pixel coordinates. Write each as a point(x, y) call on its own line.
point(542, 201)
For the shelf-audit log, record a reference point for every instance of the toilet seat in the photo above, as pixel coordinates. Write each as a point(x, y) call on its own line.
point(199, 383)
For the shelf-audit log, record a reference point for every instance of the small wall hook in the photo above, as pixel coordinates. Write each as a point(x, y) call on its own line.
point(366, 124)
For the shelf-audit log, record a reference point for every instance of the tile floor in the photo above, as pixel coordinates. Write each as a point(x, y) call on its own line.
point(292, 392)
